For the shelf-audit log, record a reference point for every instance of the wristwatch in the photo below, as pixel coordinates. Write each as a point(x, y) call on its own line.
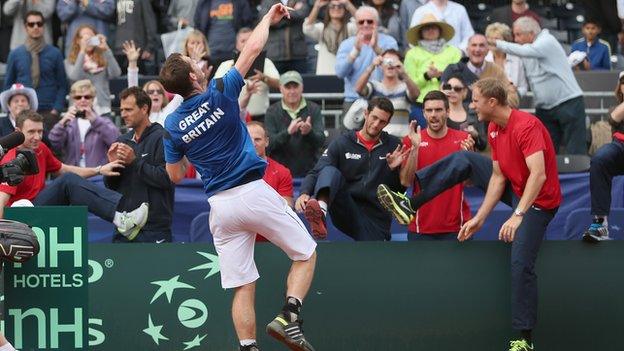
point(98, 169)
point(518, 213)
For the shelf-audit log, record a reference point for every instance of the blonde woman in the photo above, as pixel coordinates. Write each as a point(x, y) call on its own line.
point(511, 64)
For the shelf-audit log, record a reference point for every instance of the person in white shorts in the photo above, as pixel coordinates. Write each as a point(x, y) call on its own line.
point(207, 131)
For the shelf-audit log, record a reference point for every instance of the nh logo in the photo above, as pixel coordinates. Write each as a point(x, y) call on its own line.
point(55, 327)
point(50, 251)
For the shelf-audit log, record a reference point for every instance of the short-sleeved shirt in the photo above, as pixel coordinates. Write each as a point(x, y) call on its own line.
point(448, 211)
point(32, 184)
point(523, 136)
point(207, 129)
point(279, 178)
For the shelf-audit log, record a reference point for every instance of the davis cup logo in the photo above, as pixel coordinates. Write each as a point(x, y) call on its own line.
point(182, 306)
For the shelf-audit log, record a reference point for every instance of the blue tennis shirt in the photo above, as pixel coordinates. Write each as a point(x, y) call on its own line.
point(207, 129)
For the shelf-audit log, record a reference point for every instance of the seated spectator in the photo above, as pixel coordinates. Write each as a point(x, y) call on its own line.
point(98, 14)
point(406, 11)
point(389, 20)
point(344, 180)
point(557, 96)
point(510, 64)
point(295, 127)
point(220, 21)
point(356, 53)
point(286, 45)
point(136, 21)
point(335, 28)
point(453, 14)
point(508, 14)
point(196, 47)
point(17, 9)
point(256, 93)
point(395, 85)
point(40, 66)
point(143, 179)
point(598, 51)
point(70, 188)
point(181, 13)
point(15, 100)
point(82, 136)
point(460, 116)
point(607, 162)
point(430, 54)
point(161, 105)
point(91, 58)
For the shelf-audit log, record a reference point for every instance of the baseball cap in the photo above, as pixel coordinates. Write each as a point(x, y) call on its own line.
point(290, 77)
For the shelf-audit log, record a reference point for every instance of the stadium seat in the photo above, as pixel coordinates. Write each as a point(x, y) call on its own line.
point(550, 23)
point(200, 229)
point(573, 163)
point(579, 219)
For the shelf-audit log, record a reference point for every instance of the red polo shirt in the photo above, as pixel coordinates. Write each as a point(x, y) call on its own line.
point(523, 136)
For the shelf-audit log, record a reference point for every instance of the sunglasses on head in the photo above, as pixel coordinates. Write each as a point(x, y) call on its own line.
point(85, 97)
point(34, 24)
point(154, 91)
point(457, 88)
point(367, 21)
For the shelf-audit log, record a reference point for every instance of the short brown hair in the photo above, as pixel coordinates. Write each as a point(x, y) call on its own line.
point(437, 95)
point(492, 88)
point(174, 75)
point(141, 98)
point(27, 114)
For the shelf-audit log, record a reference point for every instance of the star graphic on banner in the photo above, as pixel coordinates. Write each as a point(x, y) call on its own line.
point(212, 265)
point(154, 330)
point(194, 343)
point(168, 286)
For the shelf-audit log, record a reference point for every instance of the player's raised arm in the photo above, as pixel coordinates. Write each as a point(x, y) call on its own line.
point(259, 37)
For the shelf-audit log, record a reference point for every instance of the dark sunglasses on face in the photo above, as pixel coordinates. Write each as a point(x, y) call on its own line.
point(154, 91)
point(336, 6)
point(80, 97)
point(456, 89)
point(368, 21)
point(34, 24)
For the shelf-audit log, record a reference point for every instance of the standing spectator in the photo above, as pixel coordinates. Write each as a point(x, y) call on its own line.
point(430, 54)
point(82, 136)
point(523, 155)
point(136, 21)
point(406, 11)
point(450, 12)
point(181, 13)
point(508, 14)
point(295, 126)
point(344, 180)
point(389, 20)
point(17, 8)
point(557, 96)
point(607, 162)
point(40, 66)
point(335, 28)
point(395, 85)
point(143, 178)
point(257, 95)
point(511, 64)
point(91, 58)
point(597, 50)
point(99, 14)
point(356, 53)
point(15, 100)
point(220, 20)
point(196, 47)
point(286, 46)
point(442, 217)
point(461, 117)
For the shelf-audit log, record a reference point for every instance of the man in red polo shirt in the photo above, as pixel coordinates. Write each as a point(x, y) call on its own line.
point(442, 217)
point(524, 155)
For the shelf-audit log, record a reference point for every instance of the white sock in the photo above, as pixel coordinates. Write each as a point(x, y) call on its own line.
point(116, 222)
point(7, 347)
point(244, 342)
point(323, 206)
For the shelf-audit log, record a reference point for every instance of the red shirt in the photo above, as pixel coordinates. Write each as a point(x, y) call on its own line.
point(33, 184)
point(523, 136)
point(279, 178)
point(619, 136)
point(368, 144)
point(448, 211)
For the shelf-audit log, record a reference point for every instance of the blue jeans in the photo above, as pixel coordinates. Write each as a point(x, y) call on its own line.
point(607, 163)
point(524, 249)
point(72, 189)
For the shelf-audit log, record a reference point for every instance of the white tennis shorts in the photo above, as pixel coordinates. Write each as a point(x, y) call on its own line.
point(237, 214)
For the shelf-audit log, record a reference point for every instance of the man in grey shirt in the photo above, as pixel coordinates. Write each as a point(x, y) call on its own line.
point(557, 96)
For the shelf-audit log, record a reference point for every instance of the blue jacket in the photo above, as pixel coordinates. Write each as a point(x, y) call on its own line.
point(598, 54)
point(52, 87)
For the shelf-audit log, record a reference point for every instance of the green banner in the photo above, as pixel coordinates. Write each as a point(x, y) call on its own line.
point(46, 299)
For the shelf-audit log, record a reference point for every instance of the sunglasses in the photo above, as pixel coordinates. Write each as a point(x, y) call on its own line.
point(80, 97)
point(367, 21)
point(34, 24)
point(336, 6)
point(154, 91)
point(456, 88)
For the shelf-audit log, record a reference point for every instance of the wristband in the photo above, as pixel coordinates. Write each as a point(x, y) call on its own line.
point(98, 169)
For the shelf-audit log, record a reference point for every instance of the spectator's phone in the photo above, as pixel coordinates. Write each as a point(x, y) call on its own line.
point(81, 114)
point(93, 41)
point(258, 64)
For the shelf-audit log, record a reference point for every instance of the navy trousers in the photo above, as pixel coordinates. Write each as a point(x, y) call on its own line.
point(566, 125)
point(607, 163)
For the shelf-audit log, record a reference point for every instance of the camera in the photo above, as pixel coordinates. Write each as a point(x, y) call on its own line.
point(24, 163)
point(81, 114)
point(93, 41)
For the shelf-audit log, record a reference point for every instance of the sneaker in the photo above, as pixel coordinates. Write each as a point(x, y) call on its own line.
point(315, 216)
point(520, 345)
point(289, 333)
point(133, 221)
point(596, 232)
point(252, 347)
point(396, 203)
